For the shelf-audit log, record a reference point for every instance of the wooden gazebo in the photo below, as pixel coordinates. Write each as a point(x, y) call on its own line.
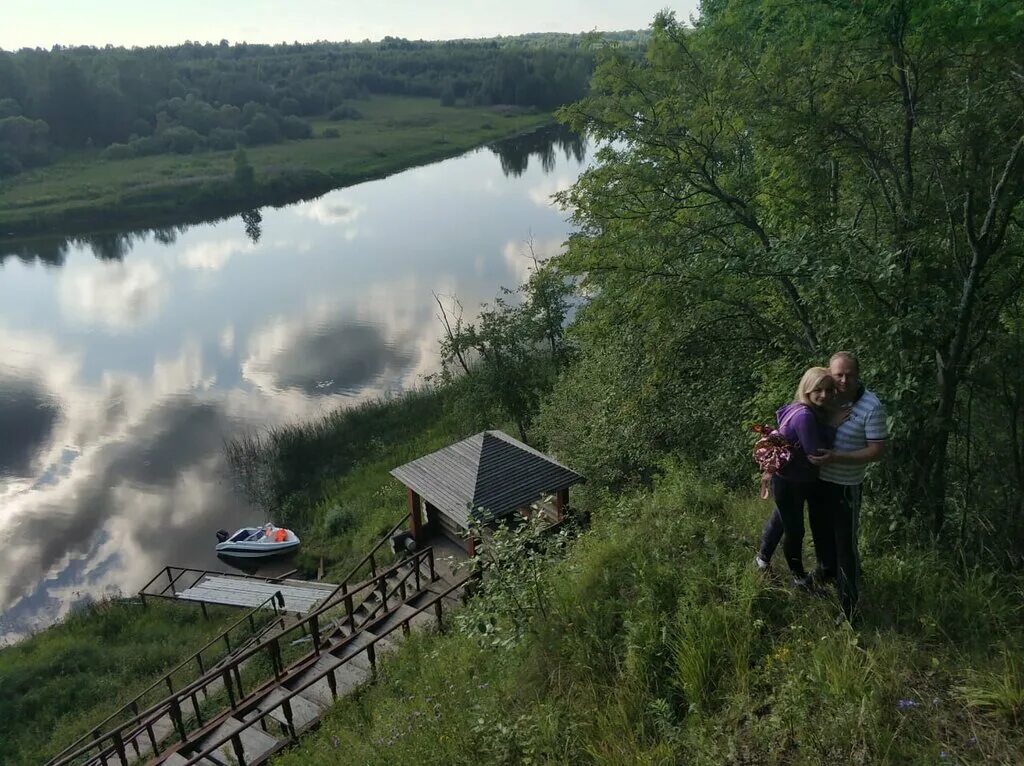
point(487, 476)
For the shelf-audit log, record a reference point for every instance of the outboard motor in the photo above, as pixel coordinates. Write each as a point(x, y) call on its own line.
point(222, 535)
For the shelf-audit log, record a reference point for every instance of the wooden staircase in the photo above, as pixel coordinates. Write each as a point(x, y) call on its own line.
point(263, 696)
point(273, 717)
point(269, 718)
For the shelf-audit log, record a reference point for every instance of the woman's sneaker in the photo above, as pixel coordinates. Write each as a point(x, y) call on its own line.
point(762, 565)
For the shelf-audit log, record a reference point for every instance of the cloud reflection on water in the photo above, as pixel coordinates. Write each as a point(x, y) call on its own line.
point(27, 418)
point(151, 467)
point(132, 372)
point(113, 294)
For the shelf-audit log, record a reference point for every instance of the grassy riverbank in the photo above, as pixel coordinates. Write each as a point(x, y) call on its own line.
point(58, 683)
point(84, 192)
point(330, 478)
point(657, 642)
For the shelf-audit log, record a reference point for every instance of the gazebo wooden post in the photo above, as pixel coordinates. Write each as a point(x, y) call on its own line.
point(561, 503)
point(430, 513)
point(414, 515)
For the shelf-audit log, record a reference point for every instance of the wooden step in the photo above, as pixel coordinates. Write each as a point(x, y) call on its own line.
point(388, 644)
point(320, 690)
point(256, 743)
point(347, 677)
point(392, 619)
point(176, 759)
point(304, 711)
point(352, 650)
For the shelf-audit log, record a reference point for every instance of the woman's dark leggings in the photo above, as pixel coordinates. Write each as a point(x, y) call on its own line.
point(790, 498)
point(821, 533)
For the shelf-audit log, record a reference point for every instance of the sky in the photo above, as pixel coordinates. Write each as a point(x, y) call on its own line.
point(43, 23)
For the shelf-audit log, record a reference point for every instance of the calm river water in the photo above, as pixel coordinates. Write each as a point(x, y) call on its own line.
point(127, 360)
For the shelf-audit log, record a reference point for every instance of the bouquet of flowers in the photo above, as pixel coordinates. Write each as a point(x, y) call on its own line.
point(771, 453)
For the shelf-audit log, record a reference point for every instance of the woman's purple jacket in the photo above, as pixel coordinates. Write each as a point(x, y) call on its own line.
point(800, 427)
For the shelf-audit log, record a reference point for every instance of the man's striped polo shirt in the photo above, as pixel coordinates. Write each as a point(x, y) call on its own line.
point(866, 423)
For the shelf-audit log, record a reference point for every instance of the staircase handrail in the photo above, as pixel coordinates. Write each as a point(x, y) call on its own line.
point(329, 602)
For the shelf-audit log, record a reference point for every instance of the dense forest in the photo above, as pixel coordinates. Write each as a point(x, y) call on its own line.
point(191, 97)
point(775, 184)
point(786, 180)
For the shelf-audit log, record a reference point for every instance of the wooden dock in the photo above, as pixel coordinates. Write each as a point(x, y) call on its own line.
point(300, 596)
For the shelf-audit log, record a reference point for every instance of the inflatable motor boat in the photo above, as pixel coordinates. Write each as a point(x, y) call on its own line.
point(257, 542)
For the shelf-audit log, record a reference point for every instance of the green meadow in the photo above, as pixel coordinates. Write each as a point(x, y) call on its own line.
point(85, 191)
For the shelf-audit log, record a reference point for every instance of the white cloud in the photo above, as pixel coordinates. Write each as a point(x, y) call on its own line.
point(212, 256)
point(519, 258)
point(227, 339)
point(113, 294)
point(334, 211)
point(542, 193)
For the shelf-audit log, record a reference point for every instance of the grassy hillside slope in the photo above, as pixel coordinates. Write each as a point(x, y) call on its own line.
point(58, 683)
point(662, 645)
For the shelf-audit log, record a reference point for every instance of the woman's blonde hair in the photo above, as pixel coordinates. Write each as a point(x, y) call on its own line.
point(812, 379)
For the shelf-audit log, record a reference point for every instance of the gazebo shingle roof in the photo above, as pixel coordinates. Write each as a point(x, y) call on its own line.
point(489, 470)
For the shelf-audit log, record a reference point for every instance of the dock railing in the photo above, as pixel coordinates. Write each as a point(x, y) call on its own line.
point(174, 574)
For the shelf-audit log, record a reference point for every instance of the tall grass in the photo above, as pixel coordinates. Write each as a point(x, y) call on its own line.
point(286, 469)
point(57, 684)
point(664, 646)
point(328, 478)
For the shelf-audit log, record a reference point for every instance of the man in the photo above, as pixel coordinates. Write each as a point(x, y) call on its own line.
point(860, 440)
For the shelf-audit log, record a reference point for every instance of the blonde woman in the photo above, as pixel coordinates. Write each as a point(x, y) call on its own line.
point(804, 423)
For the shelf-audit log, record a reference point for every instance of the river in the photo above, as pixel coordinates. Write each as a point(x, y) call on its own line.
point(127, 360)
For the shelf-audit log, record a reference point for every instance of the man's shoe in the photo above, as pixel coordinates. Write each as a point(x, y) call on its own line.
point(853, 619)
point(804, 582)
point(822, 576)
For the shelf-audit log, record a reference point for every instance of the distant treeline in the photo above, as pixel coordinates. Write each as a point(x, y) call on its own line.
point(192, 97)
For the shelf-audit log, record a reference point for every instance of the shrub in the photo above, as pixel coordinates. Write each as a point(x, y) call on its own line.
point(262, 130)
point(296, 127)
point(225, 138)
point(331, 133)
point(117, 152)
point(345, 112)
point(181, 140)
point(338, 521)
point(244, 173)
point(289, 106)
point(148, 145)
